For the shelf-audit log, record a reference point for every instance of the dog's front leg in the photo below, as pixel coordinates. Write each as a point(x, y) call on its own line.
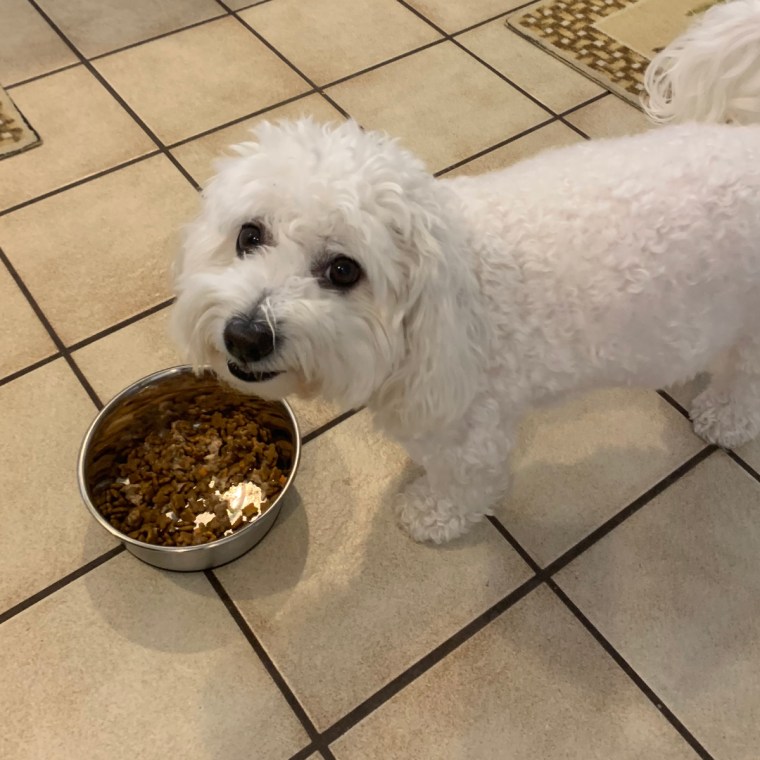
point(466, 473)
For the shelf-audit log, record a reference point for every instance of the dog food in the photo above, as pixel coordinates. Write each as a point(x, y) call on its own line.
point(206, 469)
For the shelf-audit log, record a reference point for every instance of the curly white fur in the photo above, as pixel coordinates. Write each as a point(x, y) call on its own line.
point(711, 72)
point(625, 262)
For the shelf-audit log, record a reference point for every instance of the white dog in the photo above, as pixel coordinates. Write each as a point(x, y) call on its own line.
point(328, 260)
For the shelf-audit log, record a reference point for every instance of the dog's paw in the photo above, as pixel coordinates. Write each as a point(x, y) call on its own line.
point(425, 517)
point(720, 421)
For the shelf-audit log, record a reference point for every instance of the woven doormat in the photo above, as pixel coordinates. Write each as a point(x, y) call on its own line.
point(610, 41)
point(15, 134)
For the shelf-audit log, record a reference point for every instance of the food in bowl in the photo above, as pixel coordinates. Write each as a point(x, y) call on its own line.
point(208, 466)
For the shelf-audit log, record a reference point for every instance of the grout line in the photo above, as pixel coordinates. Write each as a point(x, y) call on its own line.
point(503, 77)
point(547, 573)
point(382, 695)
point(624, 665)
point(498, 145)
point(322, 429)
point(675, 404)
point(334, 103)
point(266, 661)
point(313, 749)
point(452, 38)
point(748, 468)
point(559, 118)
point(131, 45)
point(84, 382)
point(63, 351)
point(60, 583)
point(87, 341)
point(30, 368)
point(114, 94)
point(380, 65)
point(572, 126)
point(503, 14)
point(269, 45)
point(316, 90)
point(309, 749)
point(252, 5)
point(78, 182)
point(150, 311)
point(515, 544)
point(161, 36)
point(736, 458)
point(565, 559)
point(590, 101)
point(335, 82)
point(240, 119)
point(37, 77)
point(480, 60)
point(260, 37)
point(424, 18)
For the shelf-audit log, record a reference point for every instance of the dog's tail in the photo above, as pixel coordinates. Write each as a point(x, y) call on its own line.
point(711, 73)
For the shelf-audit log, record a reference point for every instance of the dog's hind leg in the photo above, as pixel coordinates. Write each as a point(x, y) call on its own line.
point(727, 413)
point(465, 474)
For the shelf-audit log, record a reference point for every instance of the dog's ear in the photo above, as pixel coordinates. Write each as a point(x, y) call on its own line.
point(442, 321)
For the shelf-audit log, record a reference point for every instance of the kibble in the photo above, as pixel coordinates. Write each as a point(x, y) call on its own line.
point(207, 468)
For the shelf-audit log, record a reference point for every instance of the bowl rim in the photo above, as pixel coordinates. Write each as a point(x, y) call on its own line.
point(130, 390)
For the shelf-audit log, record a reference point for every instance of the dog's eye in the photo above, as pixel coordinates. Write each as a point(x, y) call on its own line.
point(343, 272)
point(251, 236)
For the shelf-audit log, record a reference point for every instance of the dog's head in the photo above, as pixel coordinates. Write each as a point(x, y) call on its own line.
point(324, 261)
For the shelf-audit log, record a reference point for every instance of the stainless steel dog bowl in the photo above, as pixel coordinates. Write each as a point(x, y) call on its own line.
point(128, 417)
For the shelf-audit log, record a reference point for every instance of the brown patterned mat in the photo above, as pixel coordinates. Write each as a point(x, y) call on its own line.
point(15, 134)
point(610, 41)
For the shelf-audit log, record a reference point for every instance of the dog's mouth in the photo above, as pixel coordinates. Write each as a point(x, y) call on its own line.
point(250, 376)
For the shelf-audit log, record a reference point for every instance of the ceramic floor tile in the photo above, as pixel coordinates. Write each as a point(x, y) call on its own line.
point(441, 102)
point(610, 117)
point(533, 681)
point(330, 39)
point(101, 252)
point(84, 130)
point(22, 336)
point(194, 80)
point(47, 532)
point(554, 135)
point(240, 4)
point(197, 156)
point(676, 589)
point(97, 26)
point(579, 464)
point(545, 77)
point(453, 16)
point(341, 599)
point(144, 347)
point(28, 45)
point(113, 362)
point(131, 662)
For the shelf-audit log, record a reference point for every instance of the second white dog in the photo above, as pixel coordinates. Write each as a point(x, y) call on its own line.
point(328, 260)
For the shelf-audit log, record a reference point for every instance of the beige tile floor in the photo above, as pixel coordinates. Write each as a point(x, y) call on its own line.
point(610, 611)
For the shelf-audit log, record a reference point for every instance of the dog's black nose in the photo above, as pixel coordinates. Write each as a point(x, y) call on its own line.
point(248, 340)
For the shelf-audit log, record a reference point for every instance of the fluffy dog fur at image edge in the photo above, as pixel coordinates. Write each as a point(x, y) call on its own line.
point(328, 260)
